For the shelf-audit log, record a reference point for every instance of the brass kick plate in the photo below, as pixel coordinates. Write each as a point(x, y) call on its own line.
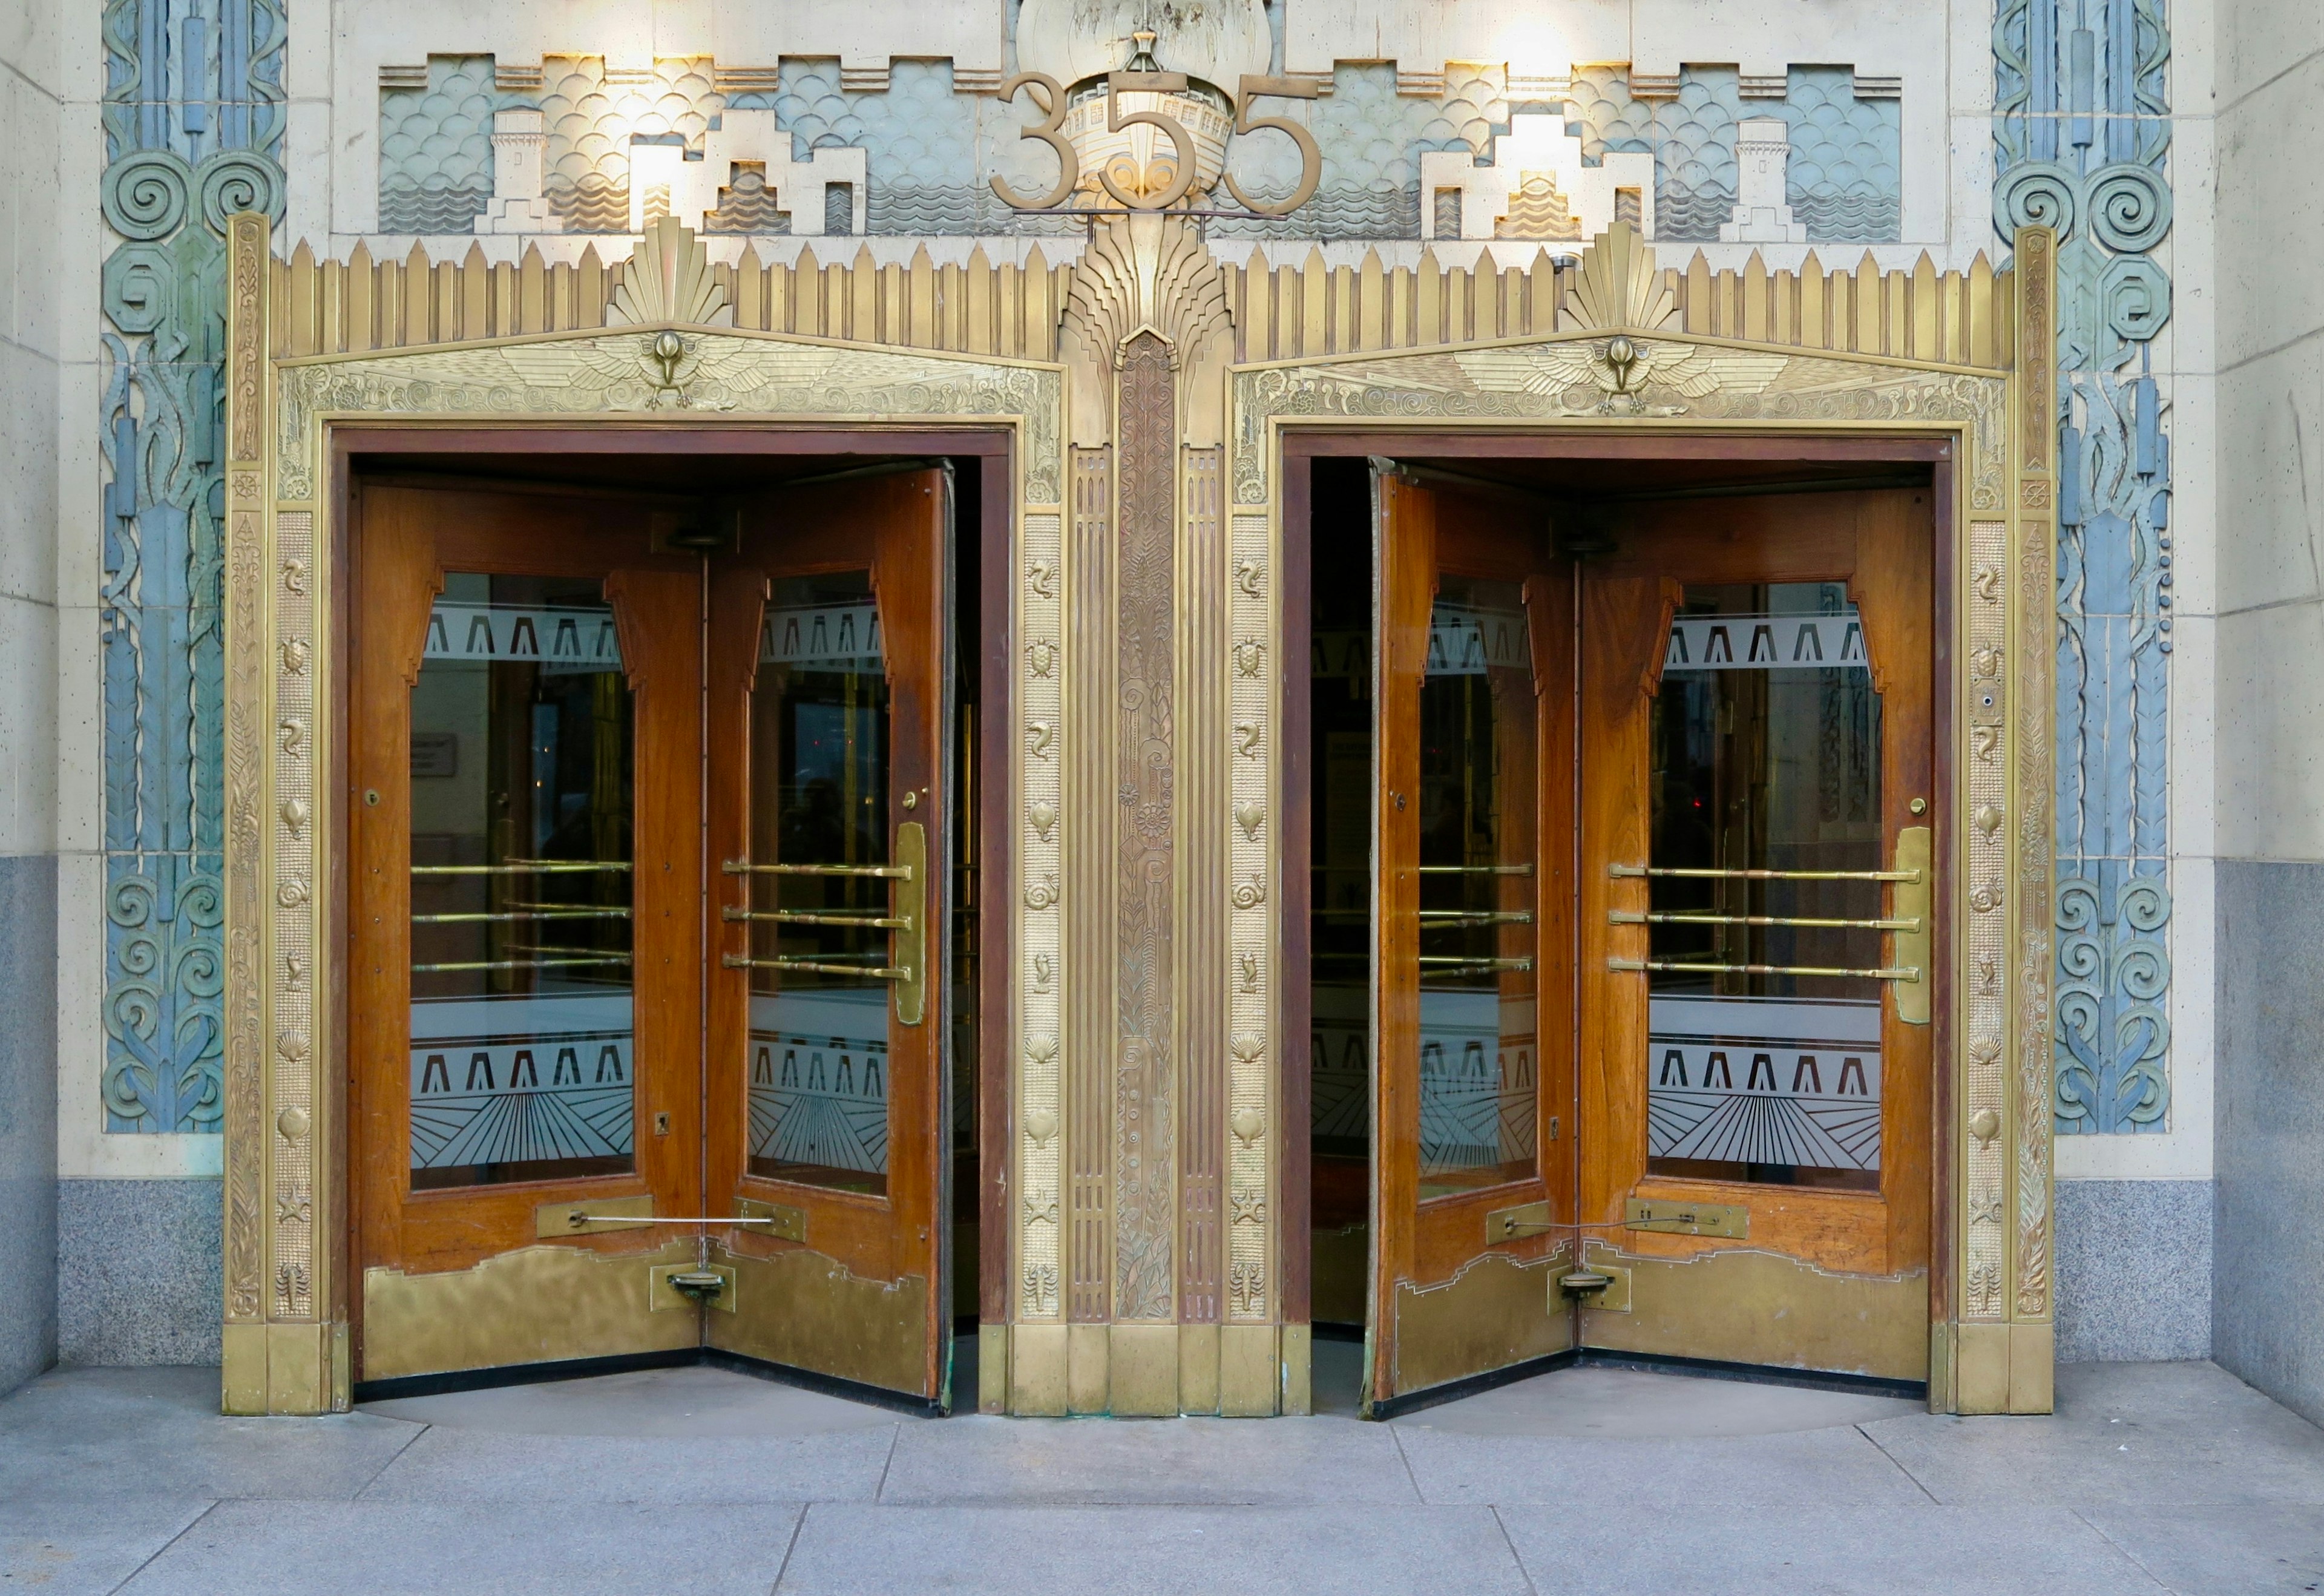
point(1687, 1218)
point(661, 1295)
point(1504, 1225)
point(789, 1224)
point(605, 1213)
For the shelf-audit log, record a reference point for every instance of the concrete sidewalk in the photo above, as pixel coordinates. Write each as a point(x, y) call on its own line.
point(2151, 1478)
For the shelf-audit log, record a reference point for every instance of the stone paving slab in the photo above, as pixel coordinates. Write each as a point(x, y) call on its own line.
point(1699, 1548)
point(2276, 1550)
point(66, 1549)
point(474, 1466)
point(1825, 1468)
point(88, 1435)
point(1252, 1462)
point(2176, 1434)
point(1152, 1551)
point(404, 1549)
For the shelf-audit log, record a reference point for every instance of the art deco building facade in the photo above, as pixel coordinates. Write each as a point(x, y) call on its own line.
point(1015, 704)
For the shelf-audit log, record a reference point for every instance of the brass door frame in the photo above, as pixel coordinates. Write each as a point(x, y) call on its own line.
point(291, 427)
point(1963, 356)
point(1985, 429)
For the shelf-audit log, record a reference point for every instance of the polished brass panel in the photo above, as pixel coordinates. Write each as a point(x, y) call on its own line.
point(553, 1220)
point(1687, 1218)
point(1762, 1307)
point(664, 1298)
point(1913, 947)
point(1086, 1368)
point(1251, 1376)
point(1494, 1313)
point(910, 908)
point(477, 1318)
point(808, 1311)
point(1142, 1371)
point(773, 1218)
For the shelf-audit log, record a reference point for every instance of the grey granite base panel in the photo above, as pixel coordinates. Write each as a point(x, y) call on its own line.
point(2268, 1128)
point(2134, 1270)
point(28, 1116)
point(139, 1271)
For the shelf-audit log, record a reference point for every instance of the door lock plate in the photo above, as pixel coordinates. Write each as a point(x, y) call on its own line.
point(1504, 1225)
point(662, 1294)
point(1603, 1287)
point(551, 1219)
point(1687, 1218)
point(789, 1224)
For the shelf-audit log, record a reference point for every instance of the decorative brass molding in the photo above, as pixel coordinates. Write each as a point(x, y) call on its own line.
point(285, 1155)
point(1621, 368)
point(670, 280)
point(1618, 346)
point(744, 373)
point(1144, 1044)
point(2035, 780)
point(1041, 845)
point(1983, 1160)
point(1618, 286)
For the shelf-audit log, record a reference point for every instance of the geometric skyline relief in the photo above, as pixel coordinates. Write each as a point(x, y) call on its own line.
point(1765, 1081)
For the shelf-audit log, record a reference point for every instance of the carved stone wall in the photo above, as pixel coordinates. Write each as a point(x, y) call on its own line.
point(2081, 145)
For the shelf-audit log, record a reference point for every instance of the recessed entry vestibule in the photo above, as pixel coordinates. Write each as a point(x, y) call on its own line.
point(664, 1001)
point(1616, 777)
point(1151, 450)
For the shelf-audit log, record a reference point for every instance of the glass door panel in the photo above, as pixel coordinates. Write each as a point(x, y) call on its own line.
point(1479, 795)
point(1764, 871)
point(524, 1044)
point(821, 924)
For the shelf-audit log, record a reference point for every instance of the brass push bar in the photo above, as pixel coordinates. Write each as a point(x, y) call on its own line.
point(1450, 961)
point(1908, 972)
point(820, 967)
point(1623, 917)
point(1475, 869)
point(906, 920)
point(892, 873)
point(522, 867)
point(1632, 871)
point(526, 913)
point(796, 917)
point(604, 958)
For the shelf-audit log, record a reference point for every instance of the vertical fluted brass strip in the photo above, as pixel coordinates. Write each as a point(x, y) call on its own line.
point(1146, 432)
point(1201, 940)
point(1089, 901)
